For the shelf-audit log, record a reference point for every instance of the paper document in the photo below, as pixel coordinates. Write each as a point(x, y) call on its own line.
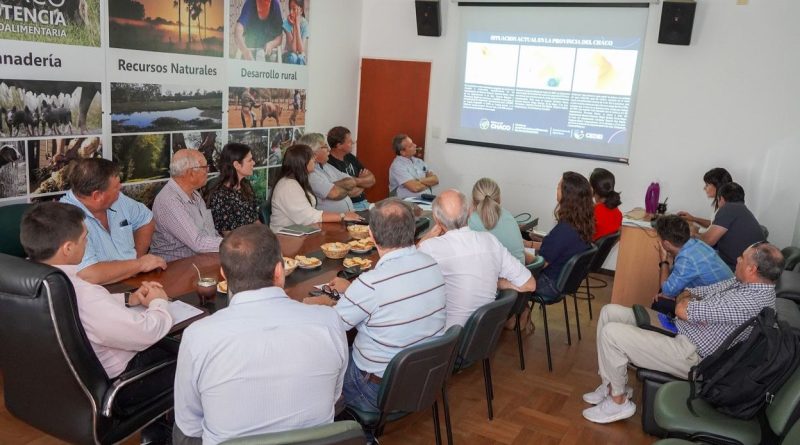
point(179, 310)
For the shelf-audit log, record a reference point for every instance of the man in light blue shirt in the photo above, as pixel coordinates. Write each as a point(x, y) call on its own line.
point(266, 363)
point(400, 303)
point(332, 187)
point(120, 229)
point(409, 176)
point(696, 263)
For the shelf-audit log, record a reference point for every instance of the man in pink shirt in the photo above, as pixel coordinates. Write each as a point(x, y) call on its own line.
point(123, 339)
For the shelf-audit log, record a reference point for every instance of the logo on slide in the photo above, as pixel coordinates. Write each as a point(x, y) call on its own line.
point(578, 134)
point(484, 124)
point(495, 125)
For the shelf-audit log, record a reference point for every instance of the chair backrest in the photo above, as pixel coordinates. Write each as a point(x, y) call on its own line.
point(265, 212)
point(791, 256)
point(787, 399)
point(345, 432)
point(574, 271)
point(604, 246)
point(10, 217)
point(52, 378)
point(483, 328)
point(415, 375)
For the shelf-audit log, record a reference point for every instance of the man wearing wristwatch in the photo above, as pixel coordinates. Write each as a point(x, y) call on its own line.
point(54, 233)
point(695, 263)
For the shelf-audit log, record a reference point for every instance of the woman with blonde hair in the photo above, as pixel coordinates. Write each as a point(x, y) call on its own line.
point(490, 217)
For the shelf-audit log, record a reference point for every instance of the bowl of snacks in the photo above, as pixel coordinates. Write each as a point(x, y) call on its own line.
point(289, 265)
point(361, 245)
point(222, 287)
point(335, 251)
point(358, 231)
point(363, 263)
point(307, 262)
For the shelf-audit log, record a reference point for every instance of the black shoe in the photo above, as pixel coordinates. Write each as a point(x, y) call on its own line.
point(157, 433)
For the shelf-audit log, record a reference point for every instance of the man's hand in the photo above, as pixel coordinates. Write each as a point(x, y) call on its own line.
point(150, 262)
point(153, 291)
point(682, 308)
point(340, 284)
point(435, 231)
point(428, 174)
point(685, 295)
point(322, 300)
point(364, 173)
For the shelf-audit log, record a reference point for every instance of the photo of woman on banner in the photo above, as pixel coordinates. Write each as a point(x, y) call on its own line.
point(295, 28)
point(259, 27)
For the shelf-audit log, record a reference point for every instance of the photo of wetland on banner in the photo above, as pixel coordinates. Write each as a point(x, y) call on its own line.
point(139, 107)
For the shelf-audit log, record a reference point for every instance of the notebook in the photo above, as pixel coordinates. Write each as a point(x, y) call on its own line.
point(298, 230)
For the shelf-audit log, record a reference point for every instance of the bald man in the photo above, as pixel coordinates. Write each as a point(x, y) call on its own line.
point(474, 264)
point(184, 226)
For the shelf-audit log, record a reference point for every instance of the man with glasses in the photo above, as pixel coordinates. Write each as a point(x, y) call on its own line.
point(341, 143)
point(706, 316)
point(409, 176)
point(331, 187)
point(184, 225)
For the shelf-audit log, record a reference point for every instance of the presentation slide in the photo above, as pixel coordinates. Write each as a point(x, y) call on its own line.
point(561, 93)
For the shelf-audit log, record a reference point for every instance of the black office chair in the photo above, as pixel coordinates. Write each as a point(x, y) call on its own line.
point(604, 246)
point(52, 377)
point(345, 432)
point(569, 280)
point(480, 335)
point(10, 217)
point(523, 303)
point(412, 382)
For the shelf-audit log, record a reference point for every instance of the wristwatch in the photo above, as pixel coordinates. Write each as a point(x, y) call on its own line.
point(341, 217)
point(127, 296)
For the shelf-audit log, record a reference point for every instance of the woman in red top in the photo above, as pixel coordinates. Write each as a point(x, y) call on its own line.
point(607, 216)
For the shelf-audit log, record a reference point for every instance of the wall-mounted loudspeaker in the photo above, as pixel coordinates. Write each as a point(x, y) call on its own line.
point(429, 18)
point(677, 18)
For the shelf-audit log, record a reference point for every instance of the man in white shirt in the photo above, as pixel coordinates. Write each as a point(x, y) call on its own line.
point(332, 187)
point(474, 264)
point(409, 176)
point(123, 339)
point(266, 363)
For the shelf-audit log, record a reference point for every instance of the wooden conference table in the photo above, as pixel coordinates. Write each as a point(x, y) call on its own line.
point(180, 277)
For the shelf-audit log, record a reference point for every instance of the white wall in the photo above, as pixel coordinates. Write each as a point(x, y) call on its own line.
point(731, 99)
point(335, 49)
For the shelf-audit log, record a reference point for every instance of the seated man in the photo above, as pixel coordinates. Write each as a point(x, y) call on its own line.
point(120, 229)
point(331, 187)
point(409, 175)
point(54, 233)
point(474, 264)
point(706, 316)
point(184, 225)
point(695, 263)
point(734, 227)
point(341, 143)
point(399, 303)
point(264, 364)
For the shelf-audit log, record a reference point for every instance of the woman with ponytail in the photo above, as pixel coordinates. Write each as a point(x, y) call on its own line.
point(607, 216)
point(489, 216)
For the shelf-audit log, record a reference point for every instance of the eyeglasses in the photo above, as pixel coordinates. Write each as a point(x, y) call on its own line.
point(331, 292)
point(204, 167)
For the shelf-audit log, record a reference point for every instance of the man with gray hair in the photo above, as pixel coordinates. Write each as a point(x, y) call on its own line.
point(332, 187)
point(399, 303)
point(409, 176)
point(184, 225)
point(474, 264)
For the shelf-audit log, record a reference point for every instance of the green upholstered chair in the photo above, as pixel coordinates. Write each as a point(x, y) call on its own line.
point(336, 433)
point(412, 382)
point(10, 217)
point(264, 212)
point(672, 414)
point(791, 256)
point(569, 280)
point(480, 335)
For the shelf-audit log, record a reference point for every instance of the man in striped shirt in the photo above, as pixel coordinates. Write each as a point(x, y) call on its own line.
point(706, 316)
point(398, 304)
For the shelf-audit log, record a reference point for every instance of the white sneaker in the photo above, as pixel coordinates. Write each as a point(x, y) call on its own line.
point(608, 411)
point(601, 392)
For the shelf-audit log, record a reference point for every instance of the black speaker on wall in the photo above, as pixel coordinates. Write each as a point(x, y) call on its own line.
point(429, 18)
point(677, 18)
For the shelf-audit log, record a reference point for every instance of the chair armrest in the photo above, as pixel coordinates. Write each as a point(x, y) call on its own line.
point(788, 286)
point(129, 377)
point(655, 376)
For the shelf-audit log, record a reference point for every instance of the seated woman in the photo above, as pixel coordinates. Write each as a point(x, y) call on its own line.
point(231, 199)
point(714, 179)
point(291, 197)
point(607, 216)
point(572, 233)
point(490, 217)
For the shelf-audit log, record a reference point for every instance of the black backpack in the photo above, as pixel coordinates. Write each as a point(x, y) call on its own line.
point(740, 380)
